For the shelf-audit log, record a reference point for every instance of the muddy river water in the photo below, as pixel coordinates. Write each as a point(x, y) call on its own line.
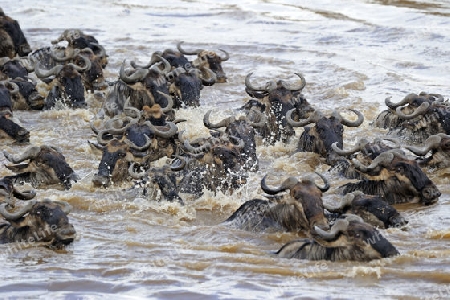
point(353, 54)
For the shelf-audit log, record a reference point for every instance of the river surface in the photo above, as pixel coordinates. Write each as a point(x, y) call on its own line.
point(353, 54)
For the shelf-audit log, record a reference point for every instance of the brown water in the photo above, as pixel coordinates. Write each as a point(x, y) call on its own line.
point(353, 54)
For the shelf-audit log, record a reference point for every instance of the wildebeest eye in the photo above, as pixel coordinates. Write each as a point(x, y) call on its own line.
point(121, 154)
point(400, 169)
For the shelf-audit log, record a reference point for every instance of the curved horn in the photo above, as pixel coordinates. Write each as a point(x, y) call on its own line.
point(227, 55)
point(17, 215)
point(65, 58)
point(382, 159)
point(47, 73)
point(326, 185)
point(154, 59)
point(349, 123)
point(186, 52)
point(287, 184)
point(249, 86)
point(346, 201)
point(28, 154)
point(65, 206)
point(169, 105)
point(26, 195)
point(11, 86)
point(201, 149)
point(138, 75)
point(224, 123)
point(405, 100)
point(339, 226)
point(180, 166)
point(360, 145)
point(163, 133)
point(422, 109)
point(260, 116)
point(86, 66)
point(313, 118)
point(133, 173)
point(302, 85)
point(432, 142)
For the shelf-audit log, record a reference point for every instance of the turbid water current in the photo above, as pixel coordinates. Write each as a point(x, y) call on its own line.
point(353, 54)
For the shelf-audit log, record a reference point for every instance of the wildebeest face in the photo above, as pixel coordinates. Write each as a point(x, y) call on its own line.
point(329, 130)
point(13, 69)
point(186, 90)
point(114, 164)
point(52, 164)
point(15, 33)
point(8, 128)
point(72, 86)
point(28, 97)
point(416, 181)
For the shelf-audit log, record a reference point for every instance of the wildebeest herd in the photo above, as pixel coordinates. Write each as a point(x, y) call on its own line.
point(137, 126)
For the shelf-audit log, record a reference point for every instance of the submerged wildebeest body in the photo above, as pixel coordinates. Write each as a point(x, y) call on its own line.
point(373, 210)
point(44, 222)
point(350, 238)
point(325, 132)
point(396, 178)
point(46, 166)
point(435, 153)
point(416, 117)
point(12, 39)
point(277, 98)
point(302, 211)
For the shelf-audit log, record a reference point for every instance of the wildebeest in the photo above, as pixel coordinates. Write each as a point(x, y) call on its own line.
point(372, 209)
point(10, 128)
point(208, 60)
point(133, 141)
point(65, 82)
point(396, 178)
point(325, 132)
point(46, 167)
point(244, 129)
point(279, 97)
point(12, 39)
point(416, 117)
point(303, 210)
point(44, 222)
point(438, 148)
point(350, 238)
point(154, 181)
point(364, 151)
point(214, 163)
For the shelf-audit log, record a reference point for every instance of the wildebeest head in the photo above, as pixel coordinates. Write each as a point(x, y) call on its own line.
point(396, 178)
point(14, 68)
point(364, 151)
point(28, 96)
point(416, 117)
point(372, 209)
point(38, 221)
point(349, 238)
point(12, 38)
point(326, 131)
point(10, 129)
point(114, 164)
point(439, 148)
point(280, 97)
point(46, 166)
point(93, 78)
point(306, 196)
point(244, 129)
point(208, 60)
point(67, 83)
point(185, 87)
point(148, 84)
